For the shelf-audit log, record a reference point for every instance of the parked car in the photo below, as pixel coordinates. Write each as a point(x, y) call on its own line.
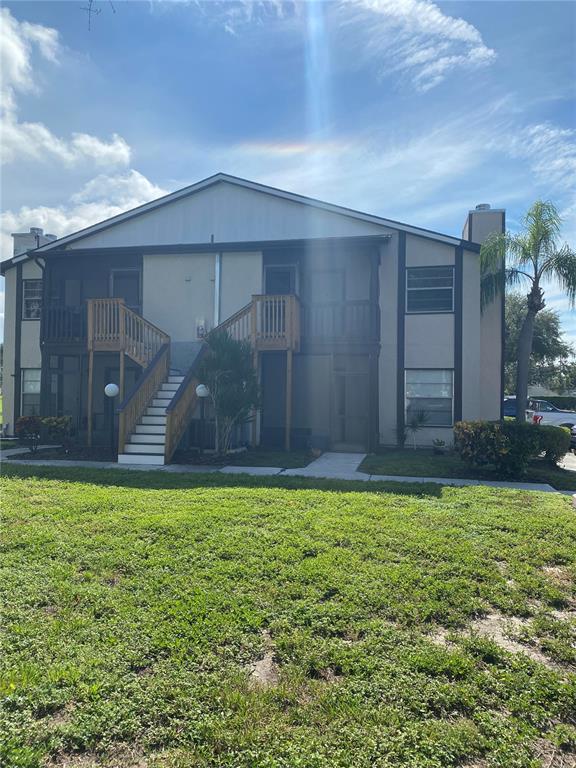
point(510, 407)
point(543, 412)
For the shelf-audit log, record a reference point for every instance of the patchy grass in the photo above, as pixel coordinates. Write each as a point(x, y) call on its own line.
point(167, 621)
point(425, 463)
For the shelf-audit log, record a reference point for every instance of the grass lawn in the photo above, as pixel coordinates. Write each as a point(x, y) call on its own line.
point(169, 621)
point(425, 463)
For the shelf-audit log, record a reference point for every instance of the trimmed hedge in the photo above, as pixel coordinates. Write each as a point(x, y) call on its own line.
point(507, 445)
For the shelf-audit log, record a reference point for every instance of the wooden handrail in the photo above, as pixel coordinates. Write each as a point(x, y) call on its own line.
point(132, 408)
point(270, 321)
point(181, 407)
point(114, 327)
point(238, 324)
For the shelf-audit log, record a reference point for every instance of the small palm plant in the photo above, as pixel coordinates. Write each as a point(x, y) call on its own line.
point(529, 258)
point(415, 423)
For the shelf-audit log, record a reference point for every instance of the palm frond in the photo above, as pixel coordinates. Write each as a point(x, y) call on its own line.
point(561, 266)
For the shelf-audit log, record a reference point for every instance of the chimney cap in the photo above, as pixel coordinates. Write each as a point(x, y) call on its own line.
point(483, 207)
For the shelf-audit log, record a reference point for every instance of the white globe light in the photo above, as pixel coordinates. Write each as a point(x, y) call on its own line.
point(111, 390)
point(202, 390)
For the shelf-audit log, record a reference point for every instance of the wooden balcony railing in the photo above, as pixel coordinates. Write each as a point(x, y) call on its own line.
point(341, 320)
point(269, 322)
point(113, 327)
point(134, 405)
point(64, 325)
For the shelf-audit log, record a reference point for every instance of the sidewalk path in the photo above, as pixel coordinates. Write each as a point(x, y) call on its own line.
point(330, 466)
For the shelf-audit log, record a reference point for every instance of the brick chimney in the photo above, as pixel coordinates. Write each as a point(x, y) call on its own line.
point(27, 241)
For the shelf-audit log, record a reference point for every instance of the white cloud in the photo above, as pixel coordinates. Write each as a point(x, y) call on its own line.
point(414, 38)
point(20, 43)
point(551, 152)
point(99, 199)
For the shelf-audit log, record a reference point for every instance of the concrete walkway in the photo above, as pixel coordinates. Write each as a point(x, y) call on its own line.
point(330, 466)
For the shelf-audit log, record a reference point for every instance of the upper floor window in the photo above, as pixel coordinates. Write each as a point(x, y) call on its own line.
point(430, 289)
point(32, 299)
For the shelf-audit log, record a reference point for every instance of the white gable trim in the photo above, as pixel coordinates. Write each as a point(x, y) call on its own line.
point(262, 188)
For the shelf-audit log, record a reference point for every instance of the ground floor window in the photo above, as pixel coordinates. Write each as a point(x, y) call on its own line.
point(30, 392)
point(430, 391)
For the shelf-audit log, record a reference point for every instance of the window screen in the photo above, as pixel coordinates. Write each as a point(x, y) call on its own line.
point(431, 392)
point(30, 392)
point(32, 299)
point(430, 289)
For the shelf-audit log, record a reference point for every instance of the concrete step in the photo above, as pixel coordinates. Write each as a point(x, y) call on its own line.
point(143, 448)
point(147, 439)
point(150, 429)
point(175, 379)
point(161, 402)
point(169, 387)
point(135, 458)
point(159, 421)
point(155, 411)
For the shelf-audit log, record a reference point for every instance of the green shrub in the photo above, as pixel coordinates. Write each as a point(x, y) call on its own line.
point(31, 430)
point(28, 429)
point(554, 442)
point(506, 445)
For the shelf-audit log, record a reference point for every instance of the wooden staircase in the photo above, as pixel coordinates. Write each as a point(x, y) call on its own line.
point(146, 444)
point(154, 415)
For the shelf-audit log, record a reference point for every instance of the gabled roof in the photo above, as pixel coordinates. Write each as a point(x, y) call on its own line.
point(263, 188)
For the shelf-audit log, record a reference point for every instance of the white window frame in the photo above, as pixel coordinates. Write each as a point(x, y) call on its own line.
point(25, 284)
point(407, 399)
point(431, 311)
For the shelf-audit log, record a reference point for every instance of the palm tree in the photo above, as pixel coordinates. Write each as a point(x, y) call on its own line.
point(529, 258)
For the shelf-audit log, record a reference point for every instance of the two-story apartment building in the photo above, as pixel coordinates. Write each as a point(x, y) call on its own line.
point(356, 321)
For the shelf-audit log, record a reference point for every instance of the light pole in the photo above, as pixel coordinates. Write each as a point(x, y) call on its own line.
point(111, 391)
point(202, 392)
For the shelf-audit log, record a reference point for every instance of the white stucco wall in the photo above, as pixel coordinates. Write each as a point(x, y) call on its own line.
point(241, 277)
point(178, 292)
point(30, 355)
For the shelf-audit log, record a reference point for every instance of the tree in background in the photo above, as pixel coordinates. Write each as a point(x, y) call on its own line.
point(229, 374)
point(529, 258)
point(551, 365)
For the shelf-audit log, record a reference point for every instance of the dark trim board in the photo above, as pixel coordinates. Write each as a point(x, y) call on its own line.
point(18, 347)
point(458, 331)
point(401, 333)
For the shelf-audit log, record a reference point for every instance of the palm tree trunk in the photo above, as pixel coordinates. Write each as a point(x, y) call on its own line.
point(523, 367)
point(535, 304)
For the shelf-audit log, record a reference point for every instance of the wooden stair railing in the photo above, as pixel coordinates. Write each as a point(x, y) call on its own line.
point(111, 326)
point(132, 408)
point(269, 322)
point(114, 327)
point(181, 408)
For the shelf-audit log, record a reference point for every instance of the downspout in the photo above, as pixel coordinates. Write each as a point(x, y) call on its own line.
point(217, 282)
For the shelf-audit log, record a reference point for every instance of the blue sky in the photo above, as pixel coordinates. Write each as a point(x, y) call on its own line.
point(409, 109)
